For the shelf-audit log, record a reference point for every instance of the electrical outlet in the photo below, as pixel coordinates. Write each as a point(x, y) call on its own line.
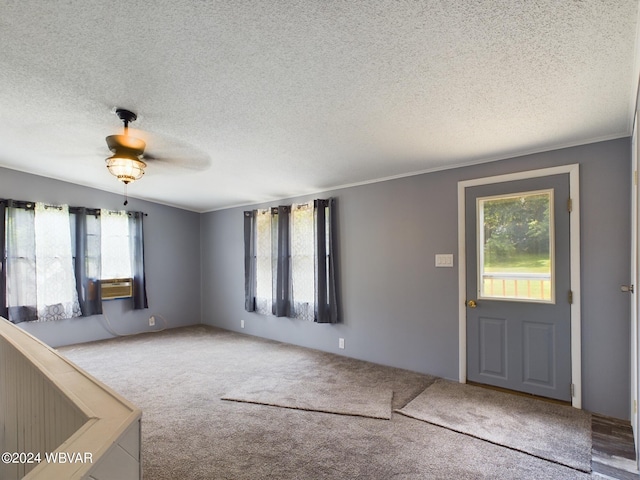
point(241, 323)
point(152, 321)
point(341, 343)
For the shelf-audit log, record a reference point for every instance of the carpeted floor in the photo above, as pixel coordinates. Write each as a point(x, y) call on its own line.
point(339, 398)
point(178, 378)
point(557, 433)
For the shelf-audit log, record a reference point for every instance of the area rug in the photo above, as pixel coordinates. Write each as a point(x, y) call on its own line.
point(554, 432)
point(325, 397)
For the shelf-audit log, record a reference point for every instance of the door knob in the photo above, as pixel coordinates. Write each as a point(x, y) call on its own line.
point(471, 303)
point(626, 288)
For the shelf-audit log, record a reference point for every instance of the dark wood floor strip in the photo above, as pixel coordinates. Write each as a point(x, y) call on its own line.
point(613, 445)
point(613, 472)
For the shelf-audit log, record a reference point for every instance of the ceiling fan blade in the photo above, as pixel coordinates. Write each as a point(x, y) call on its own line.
point(195, 161)
point(169, 151)
point(165, 154)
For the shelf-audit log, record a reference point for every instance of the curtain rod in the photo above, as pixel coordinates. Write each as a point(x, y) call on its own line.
point(297, 206)
point(28, 204)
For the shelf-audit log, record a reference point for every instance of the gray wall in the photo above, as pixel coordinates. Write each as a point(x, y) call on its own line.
point(172, 261)
point(400, 310)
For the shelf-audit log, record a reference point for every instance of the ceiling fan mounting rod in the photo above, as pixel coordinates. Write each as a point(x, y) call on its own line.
point(127, 117)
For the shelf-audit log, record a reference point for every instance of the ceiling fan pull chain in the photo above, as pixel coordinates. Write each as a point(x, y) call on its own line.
point(126, 199)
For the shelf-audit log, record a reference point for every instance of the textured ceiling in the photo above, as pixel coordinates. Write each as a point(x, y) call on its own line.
point(282, 98)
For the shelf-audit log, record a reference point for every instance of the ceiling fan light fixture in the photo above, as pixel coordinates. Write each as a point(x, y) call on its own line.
point(126, 164)
point(126, 167)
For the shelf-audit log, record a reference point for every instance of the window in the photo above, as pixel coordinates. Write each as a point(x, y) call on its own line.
point(290, 267)
point(515, 252)
point(264, 268)
point(40, 277)
point(54, 256)
point(115, 260)
point(302, 261)
point(19, 259)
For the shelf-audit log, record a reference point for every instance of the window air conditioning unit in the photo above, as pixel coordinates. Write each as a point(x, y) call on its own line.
point(116, 288)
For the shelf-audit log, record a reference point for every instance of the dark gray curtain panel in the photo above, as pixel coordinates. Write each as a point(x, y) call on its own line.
point(87, 264)
point(4, 311)
point(250, 260)
point(282, 292)
point(326, 292)
point(136, 239)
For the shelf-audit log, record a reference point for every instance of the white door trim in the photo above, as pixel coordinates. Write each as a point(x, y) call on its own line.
point(574, 190)
point(634, 281)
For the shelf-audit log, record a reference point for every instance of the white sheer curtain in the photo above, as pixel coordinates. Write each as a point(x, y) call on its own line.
point(56, 293)
point(302, 261)
point(264, 266)
point(116, 249)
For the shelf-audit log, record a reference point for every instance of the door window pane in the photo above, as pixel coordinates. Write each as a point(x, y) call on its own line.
point(515, 247)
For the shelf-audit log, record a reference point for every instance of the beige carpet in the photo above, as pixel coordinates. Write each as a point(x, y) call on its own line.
point(325, 397)
point(178, 376)
point(551, 431)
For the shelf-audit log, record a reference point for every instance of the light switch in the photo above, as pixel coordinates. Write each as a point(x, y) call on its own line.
point(444, 259)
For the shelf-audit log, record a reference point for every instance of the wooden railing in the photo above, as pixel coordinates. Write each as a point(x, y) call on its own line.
point(56, 421)
point(533, 286)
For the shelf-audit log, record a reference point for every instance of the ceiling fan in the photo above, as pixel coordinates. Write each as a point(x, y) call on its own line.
point(126, 163)
point(129, 158)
